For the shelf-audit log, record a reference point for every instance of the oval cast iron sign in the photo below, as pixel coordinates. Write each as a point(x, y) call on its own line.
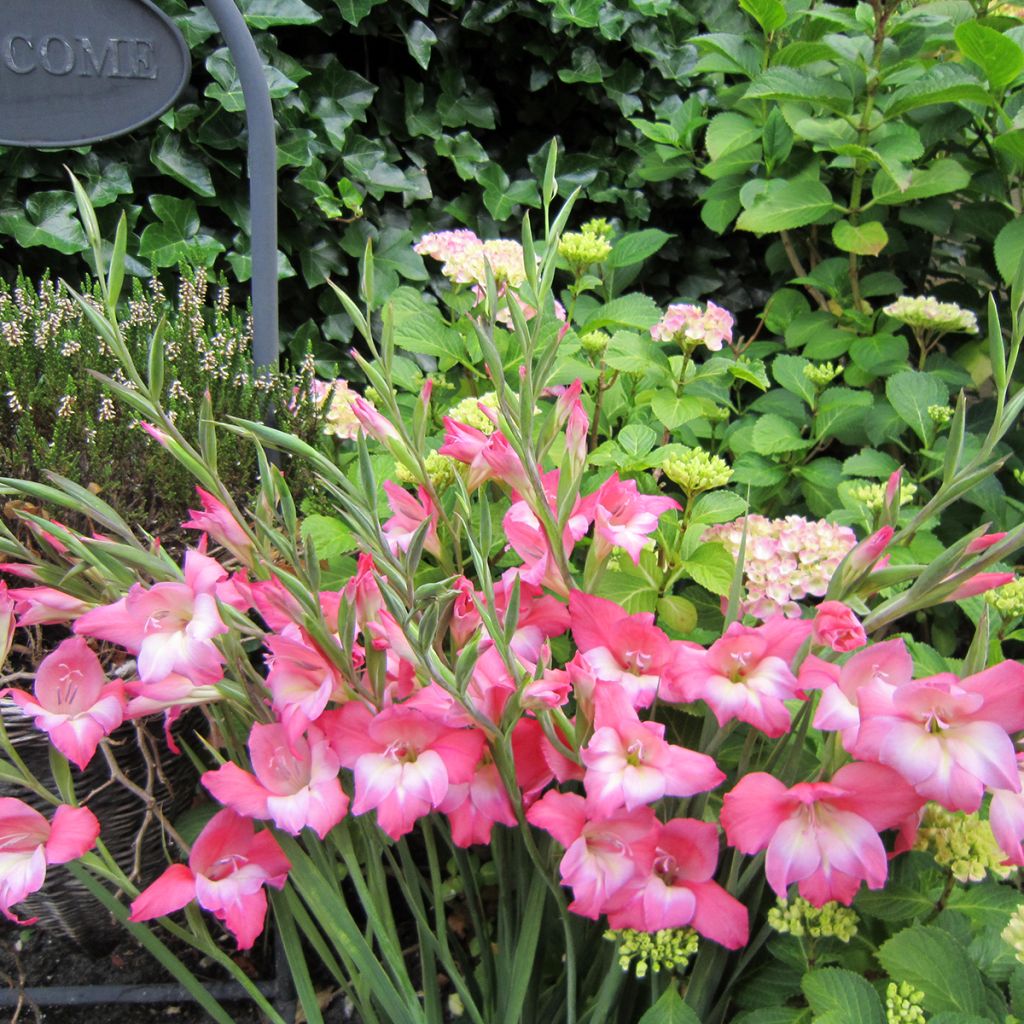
point(73, 72)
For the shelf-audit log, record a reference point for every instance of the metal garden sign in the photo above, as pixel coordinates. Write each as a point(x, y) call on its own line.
point(76, 72)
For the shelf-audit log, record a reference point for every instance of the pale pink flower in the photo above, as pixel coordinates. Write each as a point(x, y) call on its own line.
point(45, 606)
point(837, 627)
point(301, 679)
point(29, 844)
point(295, 782)
point(228, 867)
point(746, 674)
point(978, 584)
point(1006, 816)
point(373, 422)
point(688, 325)
point(409, 515)
point(403, 761)
point(73, 701)
point(948, 737)
point(673, 887)
point(475, 807)
point(220, 526)
point(601, 855)
point(623, 517)
point(822, 835)
point(7, 623)
point(526, 536)
point(629, 763)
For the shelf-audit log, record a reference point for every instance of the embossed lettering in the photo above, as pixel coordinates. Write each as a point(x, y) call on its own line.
point(90, 66)
point(145, 62)
point(11, 59)
point(60, 62)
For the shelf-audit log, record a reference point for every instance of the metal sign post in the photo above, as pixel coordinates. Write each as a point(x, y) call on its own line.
point(75, 72)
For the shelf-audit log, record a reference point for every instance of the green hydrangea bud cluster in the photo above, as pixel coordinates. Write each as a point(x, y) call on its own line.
point(590, 245)
point(1013, 933)
point(799, 917)
point(667, 950)
point(822, 374)
point(696, 470)
point(963, 843)
point(594, 342)
point(1008, 599)
point(873, 495)
point(928, 314)
point(903, 1004)
point(468, 411)
point(940, 415)
point(440, 469)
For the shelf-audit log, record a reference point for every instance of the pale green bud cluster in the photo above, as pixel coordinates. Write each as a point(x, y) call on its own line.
point(583, 249)
point(822, 374)
point(468, 411)
point(903, 1004)
point(696, 470)
point(940, 415)
point(1008, 599)
point(1013, 933)
point(667, 950)
point(963, 843)
point(440, 470)
point(598, 226)
point(926, 313)
point(594, 342)
point(873, 495)
point(799, 917)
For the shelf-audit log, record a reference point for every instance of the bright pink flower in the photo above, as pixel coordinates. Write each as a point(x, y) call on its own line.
point(170, 626)
point(403, 761)
point(73, 702)
point(836, 626)
point(295, 782)
point(630, 764)
point(409, 515)
point(45, 606)
point(29, 843)
point(7, 623)
point(673, 887)
point(949, 738)
point(526, 536)
point(823, 835)
point(372, 422)
point(300, 678)
point(627, 650)
point(275, 604)
point(978, 584)
point(601, 855)
point(623, 517)
point(229, 865)
point(474, 807)
point(220, 526)
point(1006, 816)
point(744, 675)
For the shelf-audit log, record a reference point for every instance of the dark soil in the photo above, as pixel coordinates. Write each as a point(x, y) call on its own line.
point(31, 957)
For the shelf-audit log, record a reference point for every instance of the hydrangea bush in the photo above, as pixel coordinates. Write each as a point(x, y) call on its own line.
point(542, 720)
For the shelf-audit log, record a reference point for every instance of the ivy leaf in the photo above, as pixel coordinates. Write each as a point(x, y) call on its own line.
point(226, 88)
point(177, 237)
point(867, 239)
point(48, 219)
point(266, 13)
point(910, 393)
point(842, 997)
point(999, 57)
point(786, 204)
point(419, 41)
point(353, 11)
point(169, 155)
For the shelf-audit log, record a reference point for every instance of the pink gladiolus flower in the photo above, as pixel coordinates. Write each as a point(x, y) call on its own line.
point(7, 623)
point(836, 626)
point(403, 761)
point(301, 679)
point(623, 517)
point(161, 437)
point(220, 525)
point(527, 538)
point(373, 422)
point(45, 606)
point(601, 855)
point(73, 702)
point(978, 584)
point(1006, 816)
point(170, 626)
point(630, 764)
point(948, 737)
point(29, 843)
point(409, 516)
point(295, 783)
point(823, 835)
point(673, 887)
point(744, 675)
point(475, 807)
point(627, 650)
point(229, 865)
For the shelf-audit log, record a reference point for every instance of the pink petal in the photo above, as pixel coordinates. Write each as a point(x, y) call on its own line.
point(238, 789)
point(792, 854)
point(73, 831)
point(753, 810)
point(174, 889)
point(245, 918)
point(719, 916)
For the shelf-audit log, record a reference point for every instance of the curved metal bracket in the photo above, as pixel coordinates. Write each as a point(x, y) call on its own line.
point(259, 119)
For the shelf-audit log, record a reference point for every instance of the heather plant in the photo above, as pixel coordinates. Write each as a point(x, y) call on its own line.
point(528, 745)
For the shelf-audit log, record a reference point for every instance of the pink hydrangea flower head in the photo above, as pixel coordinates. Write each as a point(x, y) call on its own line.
point(689, 326)
point(29, 844)
point(227, 870)
point(822, 835)
point(785, 559)
point(73, 701)
point(295, 783)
